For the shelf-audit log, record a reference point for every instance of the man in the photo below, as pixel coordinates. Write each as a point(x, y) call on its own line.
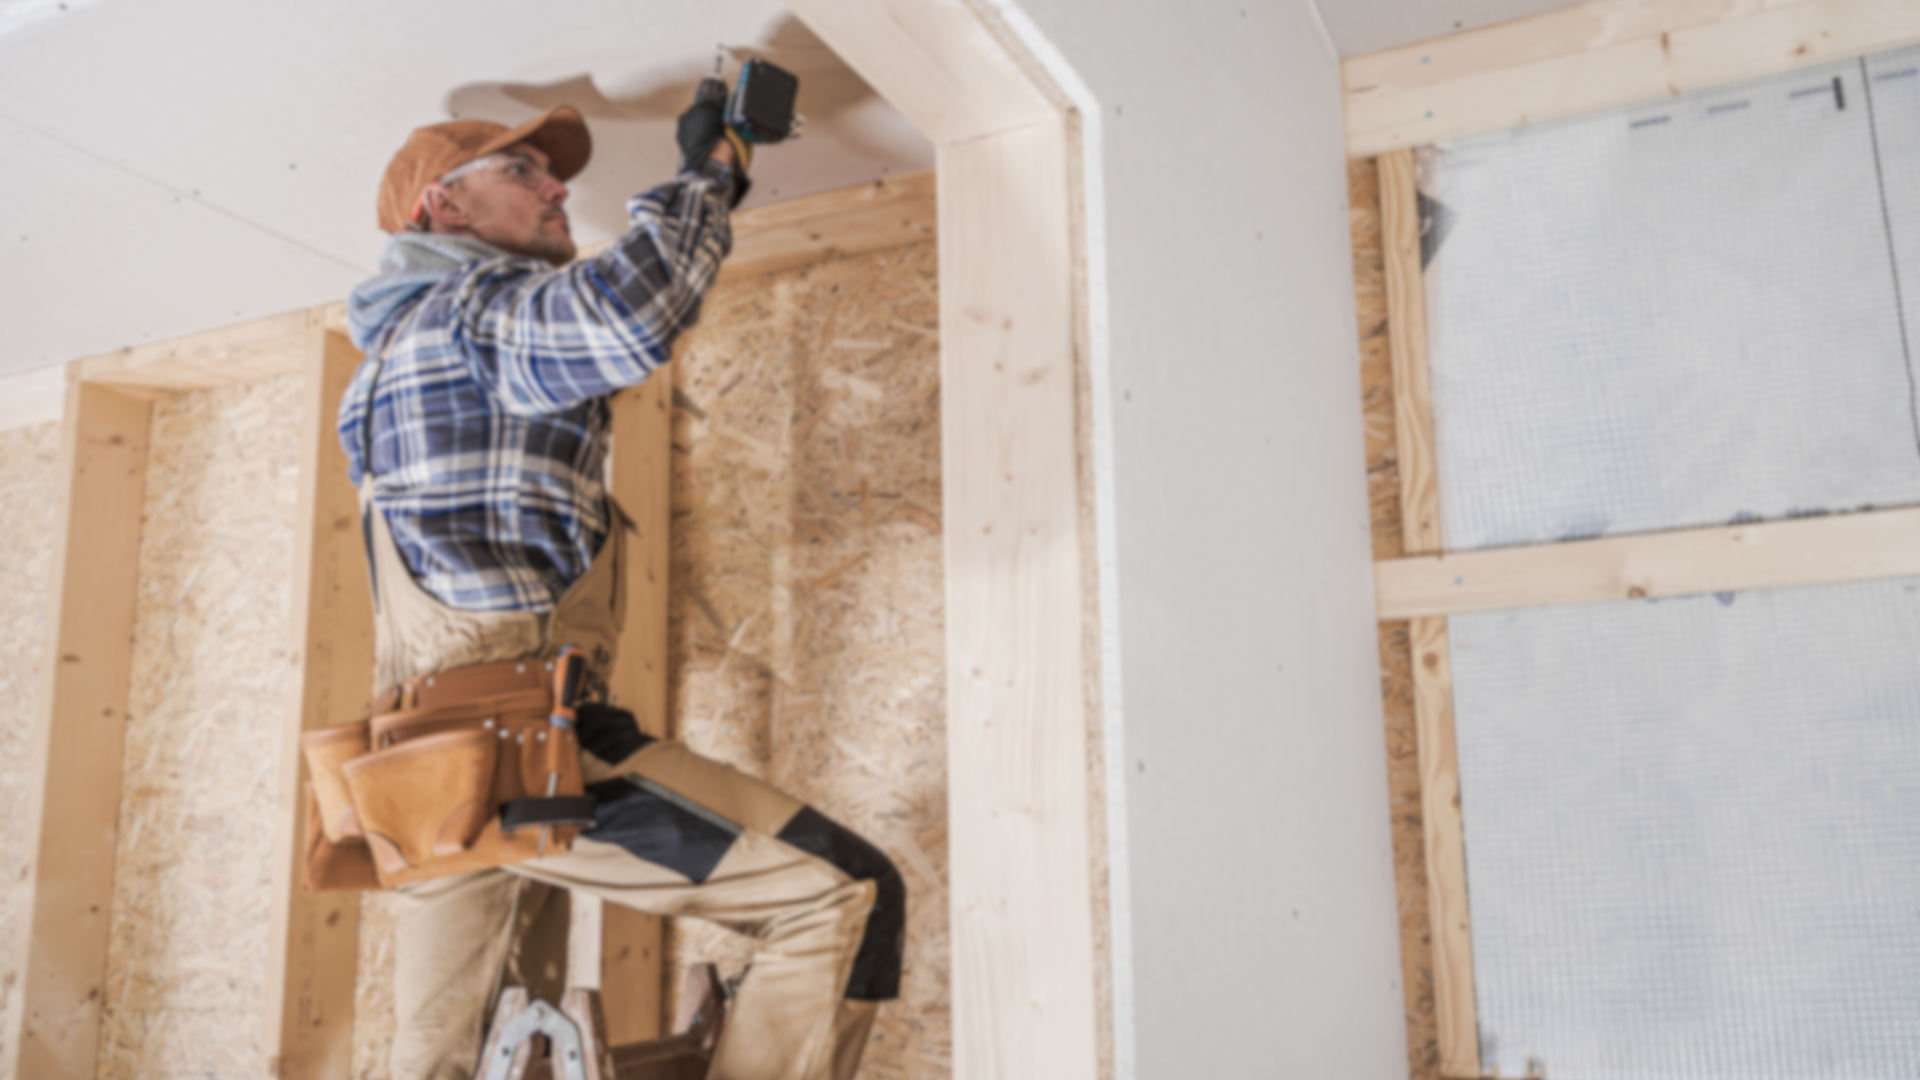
point(477, 429)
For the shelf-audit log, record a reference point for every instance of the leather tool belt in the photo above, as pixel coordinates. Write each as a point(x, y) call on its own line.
point(451, 772)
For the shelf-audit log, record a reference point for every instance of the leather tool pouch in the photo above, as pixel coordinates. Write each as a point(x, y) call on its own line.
point(426, 788)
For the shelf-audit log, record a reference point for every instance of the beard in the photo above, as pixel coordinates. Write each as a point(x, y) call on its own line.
point(548, 246)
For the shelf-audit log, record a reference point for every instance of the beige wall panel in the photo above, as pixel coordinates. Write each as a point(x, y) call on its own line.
point(29, 504)
point(187, 951)
point(807, 592)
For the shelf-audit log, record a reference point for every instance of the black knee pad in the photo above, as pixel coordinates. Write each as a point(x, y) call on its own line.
point(876, 967)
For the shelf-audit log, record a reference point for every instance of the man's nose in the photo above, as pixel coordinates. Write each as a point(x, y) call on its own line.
point(556, 191)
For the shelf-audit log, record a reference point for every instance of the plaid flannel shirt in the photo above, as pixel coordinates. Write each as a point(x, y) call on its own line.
point(490, 417)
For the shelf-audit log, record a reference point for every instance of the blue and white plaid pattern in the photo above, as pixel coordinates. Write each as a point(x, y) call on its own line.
point(490, 420)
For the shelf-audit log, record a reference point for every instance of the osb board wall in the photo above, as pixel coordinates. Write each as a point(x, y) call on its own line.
point(807, 597)
point(1396, 659)
point(187, 952)
point(30, 482)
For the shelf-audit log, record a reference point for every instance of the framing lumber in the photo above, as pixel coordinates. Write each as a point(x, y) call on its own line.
point(1024, 966)
point(312, 957)
point(1455, 1013)
point(1407, 345)
point(631, 978)
point(832, 225)
point(1599, 55)
point(1762, 555)
point(60, 951)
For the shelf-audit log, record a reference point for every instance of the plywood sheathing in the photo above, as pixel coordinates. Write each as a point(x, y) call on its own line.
point(1396, 657)
point(187, 951)
point(807, 630)
point(373, 1023)
point(29, 502)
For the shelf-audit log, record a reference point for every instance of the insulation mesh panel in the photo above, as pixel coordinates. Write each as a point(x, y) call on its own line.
point(1692, 834)
point(1679, 315)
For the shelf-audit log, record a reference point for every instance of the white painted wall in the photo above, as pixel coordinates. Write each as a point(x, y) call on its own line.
point(1263, 935)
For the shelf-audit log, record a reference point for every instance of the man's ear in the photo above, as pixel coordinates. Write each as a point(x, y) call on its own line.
point(442, 208)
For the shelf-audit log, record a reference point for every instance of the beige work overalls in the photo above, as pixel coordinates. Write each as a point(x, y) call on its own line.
point(458, 936)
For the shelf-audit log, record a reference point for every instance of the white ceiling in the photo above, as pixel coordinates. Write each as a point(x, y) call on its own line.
point(1364, 26)
point(176, 165)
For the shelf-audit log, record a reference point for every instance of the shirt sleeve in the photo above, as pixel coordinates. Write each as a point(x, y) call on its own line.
point(543, 340)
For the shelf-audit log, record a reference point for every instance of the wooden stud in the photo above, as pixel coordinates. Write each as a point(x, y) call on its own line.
point(1023, 956)
point(60, 951)
point(1599, 55)
point(313, 951)
point(1455, 1013)
point(1407, 342)
point(631, 977)
point(1762, 555)
point(1454, 1010)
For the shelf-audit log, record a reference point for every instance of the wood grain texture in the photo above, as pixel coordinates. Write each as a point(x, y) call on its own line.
point(935, 62)
point(1599, 55)
point(311, 957)
point(1761, 555)
point(631, 953)
point(1022, 903)
point(1454, 1010)
point(239, 353)
point(73, 803)
point(832, 225)
point(1407, 333)
point(1448, 946)
point(31, 482)
point(1396, 662)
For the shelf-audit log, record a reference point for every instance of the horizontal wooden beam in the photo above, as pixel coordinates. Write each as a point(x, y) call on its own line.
point(832, 225)
point(1766, 555)
point(1599, 55)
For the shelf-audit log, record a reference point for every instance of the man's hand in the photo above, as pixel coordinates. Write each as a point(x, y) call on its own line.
point(703, 136)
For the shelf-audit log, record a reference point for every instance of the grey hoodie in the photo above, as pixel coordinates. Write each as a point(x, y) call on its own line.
point(412, 263)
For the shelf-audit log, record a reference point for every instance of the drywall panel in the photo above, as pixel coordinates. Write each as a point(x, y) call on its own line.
point(187, 950)
point(280, 118)
point(1263, 935)
point(1679, 314)
point(30, 486)
point(97, 259)
point(1690, 851)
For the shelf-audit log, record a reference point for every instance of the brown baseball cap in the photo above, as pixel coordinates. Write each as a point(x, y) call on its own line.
point(434, 151)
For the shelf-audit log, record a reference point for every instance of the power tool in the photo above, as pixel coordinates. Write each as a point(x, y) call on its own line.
point(760, 105)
